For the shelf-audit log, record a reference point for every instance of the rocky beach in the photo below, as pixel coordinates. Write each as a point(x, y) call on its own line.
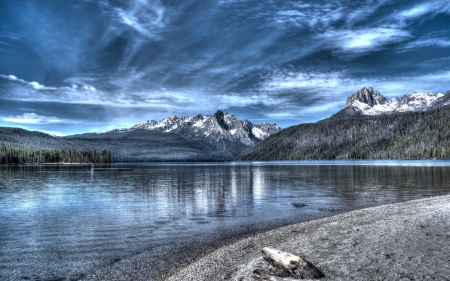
point(402, 241)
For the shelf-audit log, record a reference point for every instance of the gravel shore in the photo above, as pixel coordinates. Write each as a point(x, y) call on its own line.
point(403, 241)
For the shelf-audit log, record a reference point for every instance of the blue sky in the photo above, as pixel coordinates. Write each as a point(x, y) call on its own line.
point(92, 65)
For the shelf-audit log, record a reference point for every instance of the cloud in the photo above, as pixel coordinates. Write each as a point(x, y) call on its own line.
point(36, 85)
point(32, 118)
point(33, 84)
point(321, 109)
point(319, 18)
point(146, 17)
point(423, 10)
point(21, 90)
point(279, 81)
point(415, 12)
point(364, 30)
point(380, 30)
point(247, 100)
point(399, 86)
point(364, 40)
point(433, 42)
point(171, 100)
point(433, 39)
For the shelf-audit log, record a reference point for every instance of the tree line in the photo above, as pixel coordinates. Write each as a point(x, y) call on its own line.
point(21, 155)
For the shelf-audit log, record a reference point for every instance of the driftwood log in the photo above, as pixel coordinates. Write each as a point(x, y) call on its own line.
point(284, 264)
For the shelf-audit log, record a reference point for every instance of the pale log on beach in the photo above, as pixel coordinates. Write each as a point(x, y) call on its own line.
point(286, 265)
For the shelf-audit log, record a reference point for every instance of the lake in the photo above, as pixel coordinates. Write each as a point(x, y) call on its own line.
point(62, 222)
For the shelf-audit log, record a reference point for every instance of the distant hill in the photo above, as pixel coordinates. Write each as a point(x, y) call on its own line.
point(366, 131)
point(17, 137)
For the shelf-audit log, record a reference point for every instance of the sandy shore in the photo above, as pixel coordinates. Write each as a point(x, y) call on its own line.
point(403, 241)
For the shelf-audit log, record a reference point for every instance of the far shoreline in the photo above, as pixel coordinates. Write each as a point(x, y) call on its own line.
point(355, 162)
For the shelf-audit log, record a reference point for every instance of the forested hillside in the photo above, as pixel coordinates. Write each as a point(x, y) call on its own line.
point(412, 135)
point(19, 146)
point(16, 137)
point(136, 145)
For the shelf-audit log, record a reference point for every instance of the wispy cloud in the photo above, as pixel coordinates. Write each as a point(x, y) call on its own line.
point(32, 118)
point(398, 86)
point(167, 99)
point(423, 10)
point(340, 85)
point(364, 40)
point(145, 16)
point(33, 84)
point(304, 80)
point(319, 110)
point(433, 39)
point(324, 22)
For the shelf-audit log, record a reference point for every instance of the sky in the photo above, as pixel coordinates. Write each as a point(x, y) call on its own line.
point(78, 66)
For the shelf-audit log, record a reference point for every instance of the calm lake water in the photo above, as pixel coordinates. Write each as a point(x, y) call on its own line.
point(62, 222)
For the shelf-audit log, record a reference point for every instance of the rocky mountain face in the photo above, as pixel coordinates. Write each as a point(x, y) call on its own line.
point(368, 101)
point(366, 96)
point(222, 130)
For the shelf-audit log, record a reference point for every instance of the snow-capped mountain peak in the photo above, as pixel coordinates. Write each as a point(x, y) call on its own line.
point(221, 129)
point(370, 102)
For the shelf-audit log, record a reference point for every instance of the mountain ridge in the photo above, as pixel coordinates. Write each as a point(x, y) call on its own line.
point(222, 130)
point(368, 101)
point(218, 137)
point(369, 127)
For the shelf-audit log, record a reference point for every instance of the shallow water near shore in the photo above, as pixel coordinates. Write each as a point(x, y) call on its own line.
point(62, 222)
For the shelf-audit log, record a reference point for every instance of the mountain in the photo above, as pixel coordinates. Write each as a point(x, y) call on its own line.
point(219, 137)
point(369, 127)
point(136, 145)
point(149, 146)
point(221, 130)
point(368, 101)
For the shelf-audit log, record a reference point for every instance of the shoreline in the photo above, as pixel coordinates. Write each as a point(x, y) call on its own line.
point(406, 240)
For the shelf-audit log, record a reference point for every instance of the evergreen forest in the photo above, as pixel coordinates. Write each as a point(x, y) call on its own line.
point(21, 155)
